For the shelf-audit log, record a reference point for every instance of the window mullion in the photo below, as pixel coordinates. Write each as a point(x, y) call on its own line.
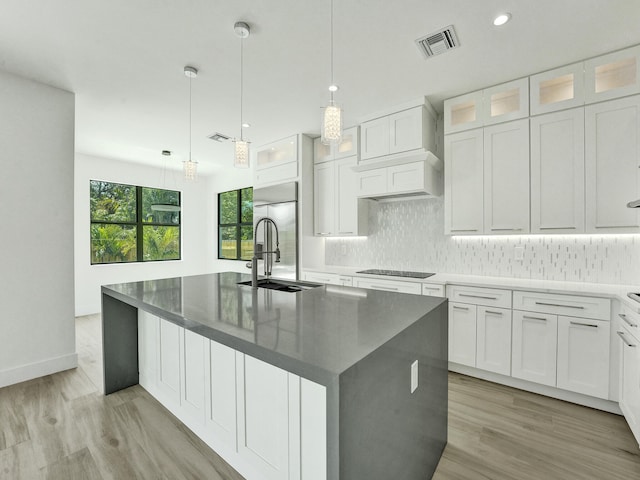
point(139, 230)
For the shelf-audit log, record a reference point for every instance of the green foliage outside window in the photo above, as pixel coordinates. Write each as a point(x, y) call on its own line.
point(133, 224)
point(235, 224)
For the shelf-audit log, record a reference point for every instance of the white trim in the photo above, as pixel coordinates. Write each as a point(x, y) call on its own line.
point(39, 369)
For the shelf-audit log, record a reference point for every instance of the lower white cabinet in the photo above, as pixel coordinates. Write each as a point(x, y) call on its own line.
point(433, 290)
point(328, 278)
point(493, 342)
point(414, 288)
point(535, 341)
point(630, 378)
point(266, 422)
point(462, 334)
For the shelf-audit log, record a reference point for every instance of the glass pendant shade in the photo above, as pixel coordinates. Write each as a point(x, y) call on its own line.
point(190, 170)
point(241, 155)
point(331, 132)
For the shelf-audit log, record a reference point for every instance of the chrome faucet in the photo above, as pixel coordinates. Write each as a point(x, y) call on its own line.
point(258, 254)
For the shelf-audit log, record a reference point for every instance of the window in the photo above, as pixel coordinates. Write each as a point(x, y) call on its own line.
point(133, 224)
point(235, 224)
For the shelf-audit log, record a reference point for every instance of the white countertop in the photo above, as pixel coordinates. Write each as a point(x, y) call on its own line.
point(618, 292)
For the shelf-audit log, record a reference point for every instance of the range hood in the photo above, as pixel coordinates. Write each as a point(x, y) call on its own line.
point(634, 204)
point(415, 174)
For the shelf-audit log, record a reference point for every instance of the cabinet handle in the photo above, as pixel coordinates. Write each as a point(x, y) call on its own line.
point(624, 317)
point(431, 288)
point(621, 335)
point(323, 233)
point(584, 324)
point(477, 296)
point(468, 230)
point(345, 233)
point(560, 305)
point(493, 312)
point(460, 308)
point(506, 229)
point(381, 287)
point(534, 318)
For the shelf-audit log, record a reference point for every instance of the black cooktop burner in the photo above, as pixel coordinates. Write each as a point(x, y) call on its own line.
point(397, 273)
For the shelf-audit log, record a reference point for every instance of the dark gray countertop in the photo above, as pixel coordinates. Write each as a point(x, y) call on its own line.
point(317, 333)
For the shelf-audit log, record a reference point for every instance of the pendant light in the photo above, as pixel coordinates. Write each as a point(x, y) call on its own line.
point(241, 150)
point(165, 207)
point(190, 166)
point(331, 131)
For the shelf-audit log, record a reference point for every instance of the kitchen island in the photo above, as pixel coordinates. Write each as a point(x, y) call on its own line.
point(329, 382)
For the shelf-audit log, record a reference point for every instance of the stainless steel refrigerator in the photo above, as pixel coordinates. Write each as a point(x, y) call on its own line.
point(280, 203)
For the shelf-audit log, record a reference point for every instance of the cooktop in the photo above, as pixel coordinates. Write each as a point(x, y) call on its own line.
point(397, 273)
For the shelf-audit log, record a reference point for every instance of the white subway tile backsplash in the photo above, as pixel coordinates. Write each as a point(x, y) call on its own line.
point(409, 235)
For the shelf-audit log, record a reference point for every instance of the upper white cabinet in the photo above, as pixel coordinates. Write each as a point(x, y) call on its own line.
point(276, 162)
point(349, 146)
point(502, 103)
point(506, 178)
point(612, 165)
point(557, 172)
point(463, 183)
point(396, 133)
point(324, 199)
point(557, 89)
point(614, 75)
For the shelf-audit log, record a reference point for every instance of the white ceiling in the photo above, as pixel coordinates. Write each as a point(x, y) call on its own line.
point(124, 60)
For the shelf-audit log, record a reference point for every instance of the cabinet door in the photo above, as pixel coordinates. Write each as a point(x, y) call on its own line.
point(147, 349)
point(433, 290)
point(463, 112)
point(506, 178)
point(406, 130)
point(324, 198)
point(462, 334)
point(170, 336)
point(413, 288)
point(346, 202)
point(321, 152)
point(557, 172)
point(614, 75)
point(375, 138)
point(345, 281)
point(192, 369)
point(533, 348)
point(263, 421)
point(583, 356)
point(463, 183)
point(630, 382)
point(350, 144)
point(221, 394)
point(405, 178)
point(318, 277)
point(372, 182)
point(277, 153)
point(557, 89)
point(612, 165)
point(494, 340)
point(506, 102)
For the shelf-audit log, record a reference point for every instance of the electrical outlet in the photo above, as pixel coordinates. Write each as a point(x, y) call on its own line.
point(414, 376)
point(519, 253)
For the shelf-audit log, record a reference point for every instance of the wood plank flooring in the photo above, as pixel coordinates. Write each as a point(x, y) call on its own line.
point(62, 427)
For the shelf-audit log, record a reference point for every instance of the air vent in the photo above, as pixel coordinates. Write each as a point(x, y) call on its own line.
point(218, 137)
point(438, 42)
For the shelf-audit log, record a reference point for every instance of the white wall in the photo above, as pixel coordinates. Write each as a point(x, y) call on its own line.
point(37, 329)
point(198, 217)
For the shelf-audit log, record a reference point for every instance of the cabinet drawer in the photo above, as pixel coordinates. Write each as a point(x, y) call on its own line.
point(433, 290)
point(372, 182)
point(322, 277)
point(345, 281)
point(630, 320)
point(571, 305)
point(389, 285)
point(490, 297)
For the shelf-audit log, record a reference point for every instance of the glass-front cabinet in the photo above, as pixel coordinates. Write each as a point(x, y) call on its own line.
point(557, 89)
point(614, 75)
point(509, 101)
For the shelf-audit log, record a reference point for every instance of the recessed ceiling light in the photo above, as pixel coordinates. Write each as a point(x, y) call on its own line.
point(501, 19)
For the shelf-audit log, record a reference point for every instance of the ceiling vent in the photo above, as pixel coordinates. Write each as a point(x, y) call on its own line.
point(218, 137)
point(438, 42)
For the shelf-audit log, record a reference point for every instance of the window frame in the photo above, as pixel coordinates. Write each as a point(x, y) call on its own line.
point(139, 225)
point(238, 224)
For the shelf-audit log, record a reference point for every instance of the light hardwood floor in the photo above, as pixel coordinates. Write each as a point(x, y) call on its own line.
point(62, 427)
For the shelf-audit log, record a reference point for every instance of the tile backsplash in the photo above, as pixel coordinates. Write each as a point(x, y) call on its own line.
point(409, 235)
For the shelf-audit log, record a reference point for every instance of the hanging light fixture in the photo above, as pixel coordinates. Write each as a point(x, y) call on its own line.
point(331, 131)
point(159, 206)
point(190, 166)
point(241, 150)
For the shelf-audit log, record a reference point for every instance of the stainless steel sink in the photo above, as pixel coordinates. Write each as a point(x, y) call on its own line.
point(282, 285)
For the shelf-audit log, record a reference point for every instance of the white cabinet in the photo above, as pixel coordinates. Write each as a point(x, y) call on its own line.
point(463, 183)
point(462, 334)
point(404, 178)
point(348, 147)
point(506, 178)
point(630, 374)
point(612, 165)
point(433, 290)
point(328, 278)
point(169, 346)
point(192, 364)
point(276, 162)
point(463, 112)
point(583, 356)
point(421, 177)
point(414, 288)
point(337, 209)
point(557, 89)
point(221, 393)
point(372, 182)
point(396, 133)
point(534, 346)
point(614, 75)
point(148, 325)
point(557, 172)
point(493, 343)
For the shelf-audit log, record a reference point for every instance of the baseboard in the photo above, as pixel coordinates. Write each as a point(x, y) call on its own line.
point(567, 396)
point(82, 310)
point(39, 369)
